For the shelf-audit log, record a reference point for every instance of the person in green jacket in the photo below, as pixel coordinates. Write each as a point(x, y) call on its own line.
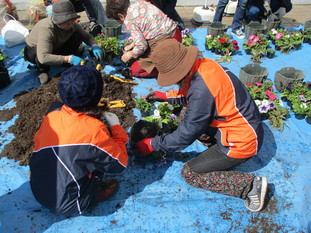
point(57, 40)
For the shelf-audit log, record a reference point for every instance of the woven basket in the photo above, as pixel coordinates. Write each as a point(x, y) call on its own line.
point(287, 75)
point(253, 73)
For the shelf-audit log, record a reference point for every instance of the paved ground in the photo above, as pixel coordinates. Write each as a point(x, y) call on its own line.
point(298, 15)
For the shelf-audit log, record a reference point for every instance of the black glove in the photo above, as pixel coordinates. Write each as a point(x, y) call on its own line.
point(156, 96)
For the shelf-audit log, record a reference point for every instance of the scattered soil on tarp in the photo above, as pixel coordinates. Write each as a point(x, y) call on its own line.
point(33, 105)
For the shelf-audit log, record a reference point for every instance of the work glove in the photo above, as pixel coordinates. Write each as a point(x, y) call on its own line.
point(111, 119)
point(97, 53)
point(144, 146)
point(74, 60)
point(156, 96)
point(280, 12)
point(272, 18)
point(267, 8)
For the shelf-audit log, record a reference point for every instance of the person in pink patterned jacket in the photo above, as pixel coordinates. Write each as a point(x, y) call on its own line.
point(147, 25)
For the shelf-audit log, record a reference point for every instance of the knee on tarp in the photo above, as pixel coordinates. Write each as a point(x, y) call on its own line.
point(4, 77)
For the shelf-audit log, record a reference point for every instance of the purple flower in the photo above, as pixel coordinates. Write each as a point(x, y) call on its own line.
point(172, 117)
point(271, 105)
point(263, 108)
point(303, 98)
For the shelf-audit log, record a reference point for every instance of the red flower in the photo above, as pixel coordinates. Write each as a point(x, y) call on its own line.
point(234, 42)
point(222, 40)
point(249, 84)
point(236, 47)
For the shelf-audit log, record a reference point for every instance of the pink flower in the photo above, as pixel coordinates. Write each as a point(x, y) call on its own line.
point(258, 84)
point(271, 88)
point(257, 38)
point(249, 84)
point(272, 97)
point(251, 43)
point(251, 37)
point(278, 35)
point(268, 93)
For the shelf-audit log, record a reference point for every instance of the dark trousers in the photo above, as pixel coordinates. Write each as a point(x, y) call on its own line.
point(213, 159)
point(70, 47)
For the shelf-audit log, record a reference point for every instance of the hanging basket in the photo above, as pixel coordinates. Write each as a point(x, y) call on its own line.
point(287, 75)
point(270, 25)
point(4, 77)
point(252, 73)
point(112, 28)
point(254, 28)
point(216, 28)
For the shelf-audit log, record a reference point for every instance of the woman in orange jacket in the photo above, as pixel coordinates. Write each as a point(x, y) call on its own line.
point(74, 148)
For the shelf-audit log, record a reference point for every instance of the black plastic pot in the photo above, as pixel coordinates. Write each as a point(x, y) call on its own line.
point(300, 116)
point(270, 55)
point(254, 28)
point(308, 120)
point(112, 28)
point(4, 77)
point(306, 40)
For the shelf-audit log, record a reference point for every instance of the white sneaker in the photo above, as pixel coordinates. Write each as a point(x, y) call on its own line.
point(239, 34)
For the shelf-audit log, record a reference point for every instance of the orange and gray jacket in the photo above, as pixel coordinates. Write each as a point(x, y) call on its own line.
point(69, 146)
point(218, 104)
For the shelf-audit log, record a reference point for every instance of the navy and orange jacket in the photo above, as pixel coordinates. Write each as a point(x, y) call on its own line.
point(217, 104)
point(69, 146)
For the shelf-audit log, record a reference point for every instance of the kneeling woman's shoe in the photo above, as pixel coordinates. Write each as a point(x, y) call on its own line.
point(108, 189)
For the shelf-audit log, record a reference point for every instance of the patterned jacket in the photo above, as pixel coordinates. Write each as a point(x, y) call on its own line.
point(217, 104)
point(69, 146)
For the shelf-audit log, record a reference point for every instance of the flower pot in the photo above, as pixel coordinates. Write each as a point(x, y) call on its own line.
point(297, 46)
point(287, 75)
point(263, 116)
point(308, 120)
point(248, 51)
point(112, 28)
point(255, 28)
point(107, 58)
point(274, 24)
point(284, 99)
point(216, 28)
point(277, 48)
point(213, 50)
point(300, 116)
point(4, 77)
point(306, 40)
point(270, 55)
point(253, 73)
point(217, 51)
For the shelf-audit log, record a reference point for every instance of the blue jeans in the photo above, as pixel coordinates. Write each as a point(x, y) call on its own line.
point(238, 16)
point(252, 13)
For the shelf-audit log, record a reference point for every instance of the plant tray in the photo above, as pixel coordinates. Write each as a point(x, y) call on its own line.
point(216, 28)
point(287, 75)
point(254, 28)
point(252, 73)
point(112, 28)
point(308, 24)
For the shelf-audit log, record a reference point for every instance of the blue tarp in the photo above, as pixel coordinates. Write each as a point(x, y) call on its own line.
point(156, 198)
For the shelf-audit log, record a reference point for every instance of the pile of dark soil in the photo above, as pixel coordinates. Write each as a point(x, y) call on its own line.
point(33, 105)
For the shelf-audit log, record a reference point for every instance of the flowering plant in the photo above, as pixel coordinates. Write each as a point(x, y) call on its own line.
point(225, 47)
point(209, 42)
point(108, 43)
point(299, 96)
point(142, 104)
point(164, 116)
point(187, 38)
point(287, 41)
point(268, 104)
point(258, 45)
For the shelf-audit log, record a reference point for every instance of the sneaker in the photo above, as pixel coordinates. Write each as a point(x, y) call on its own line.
point(44, 78)
point(256, 197)
point(108, 189)
point(239, 34)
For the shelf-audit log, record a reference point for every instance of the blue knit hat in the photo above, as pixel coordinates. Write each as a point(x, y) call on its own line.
point(80, 86)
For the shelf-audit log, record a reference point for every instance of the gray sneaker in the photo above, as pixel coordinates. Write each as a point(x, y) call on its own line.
point(44, 78)
point(256, 197)
point(239, 34)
